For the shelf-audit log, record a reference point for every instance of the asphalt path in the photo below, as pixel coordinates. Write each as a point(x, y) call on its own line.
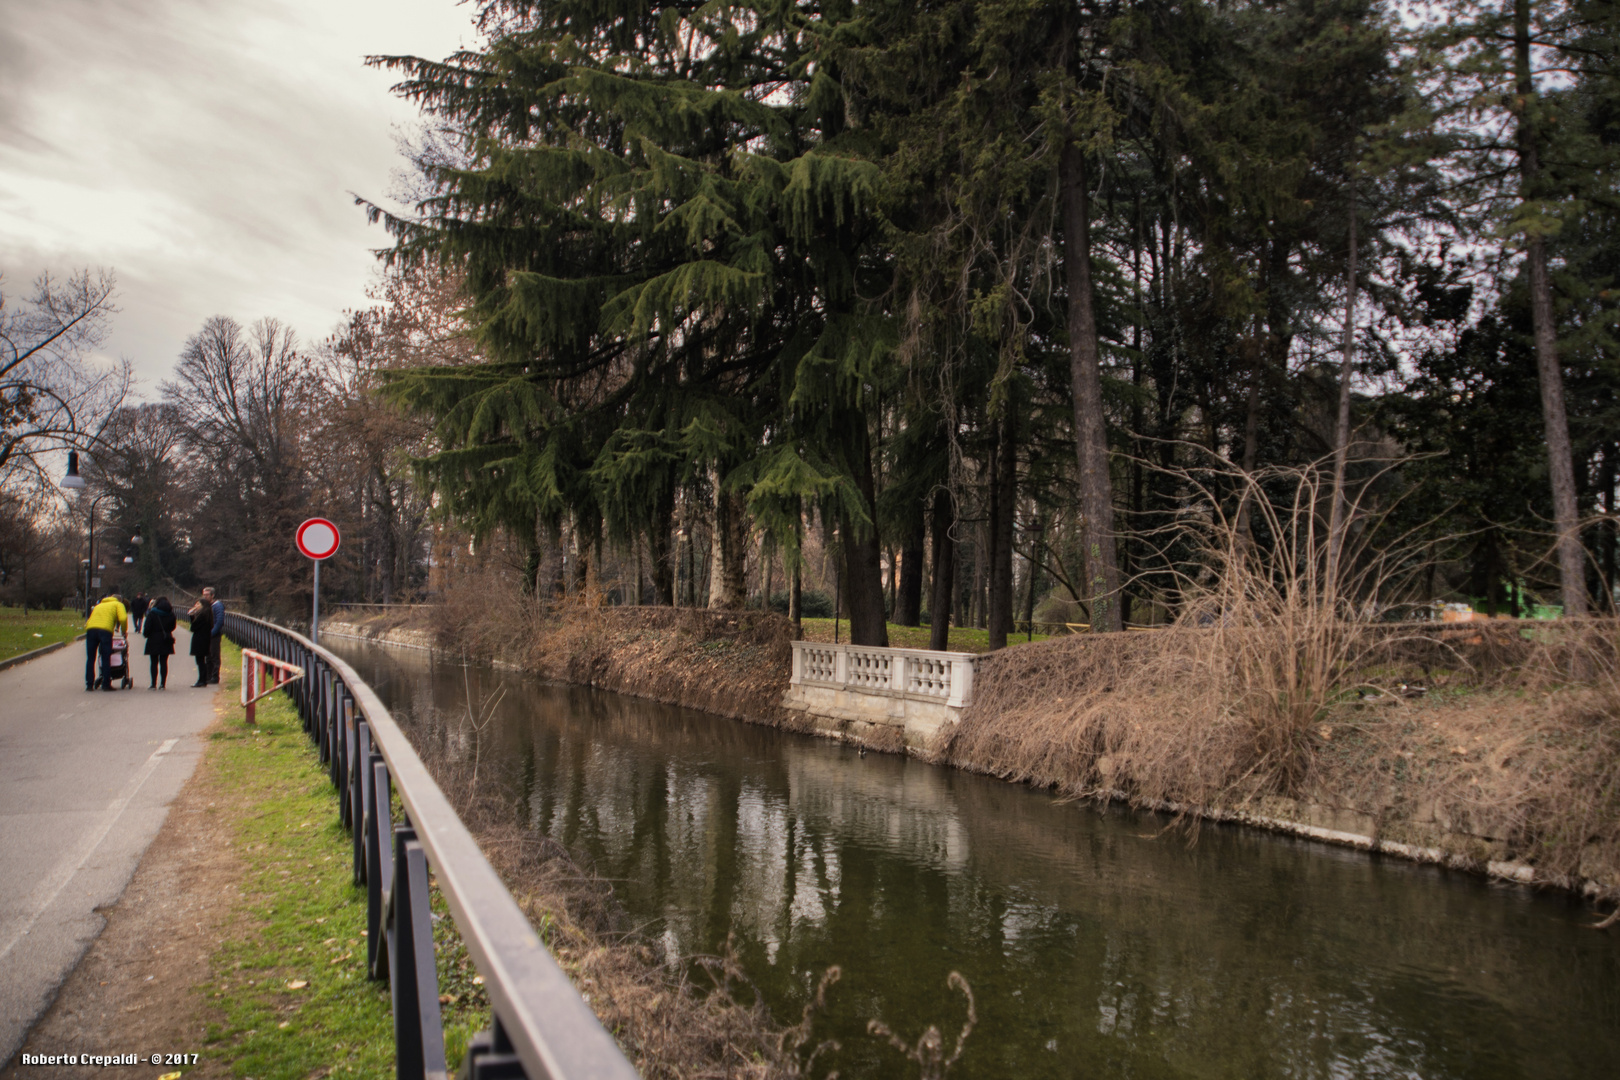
point(86, 779)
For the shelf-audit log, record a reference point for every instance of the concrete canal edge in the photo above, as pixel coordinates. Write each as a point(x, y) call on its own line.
point(889, 726)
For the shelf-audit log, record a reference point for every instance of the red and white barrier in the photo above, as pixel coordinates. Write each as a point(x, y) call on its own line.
point(262, 676)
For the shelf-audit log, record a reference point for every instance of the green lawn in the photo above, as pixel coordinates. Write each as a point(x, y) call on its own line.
point(963, 638)
point(19, 633)
point(292, 982)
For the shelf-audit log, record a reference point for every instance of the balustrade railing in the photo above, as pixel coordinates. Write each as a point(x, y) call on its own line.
point(541, 1027)
point(944, 677)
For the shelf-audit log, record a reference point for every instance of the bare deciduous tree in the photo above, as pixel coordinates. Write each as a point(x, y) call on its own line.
point(51, 397)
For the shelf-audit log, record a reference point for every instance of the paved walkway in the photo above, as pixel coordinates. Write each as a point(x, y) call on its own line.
point(85, 782)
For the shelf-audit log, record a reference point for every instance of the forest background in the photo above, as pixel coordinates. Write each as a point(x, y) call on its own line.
point(905, 308)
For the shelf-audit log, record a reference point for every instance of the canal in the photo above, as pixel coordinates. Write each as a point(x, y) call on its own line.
point(1097, 942)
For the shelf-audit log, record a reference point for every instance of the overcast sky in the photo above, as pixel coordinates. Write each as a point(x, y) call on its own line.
point(205, 152)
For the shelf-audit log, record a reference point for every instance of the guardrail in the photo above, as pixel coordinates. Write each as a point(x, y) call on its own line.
point(541, 1028)
point(945, 677)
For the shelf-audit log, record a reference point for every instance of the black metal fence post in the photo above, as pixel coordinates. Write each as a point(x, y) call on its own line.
point(413, 981)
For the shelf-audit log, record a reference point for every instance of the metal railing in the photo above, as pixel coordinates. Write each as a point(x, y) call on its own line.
point(541, 1028)
point(914, 673)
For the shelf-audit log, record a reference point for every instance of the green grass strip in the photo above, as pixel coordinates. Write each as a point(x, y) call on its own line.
point(962, 638)
point(21, 633)
point(292, 983)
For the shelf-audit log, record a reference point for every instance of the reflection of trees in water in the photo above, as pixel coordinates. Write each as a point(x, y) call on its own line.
point(1128, 948)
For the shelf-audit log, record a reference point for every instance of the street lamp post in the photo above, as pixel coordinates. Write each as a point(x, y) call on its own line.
point(74, 482)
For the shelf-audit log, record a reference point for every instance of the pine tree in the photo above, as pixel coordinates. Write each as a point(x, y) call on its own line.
point(665, 246)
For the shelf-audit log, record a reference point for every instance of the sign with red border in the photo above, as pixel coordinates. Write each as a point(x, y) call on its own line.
point(318, 539)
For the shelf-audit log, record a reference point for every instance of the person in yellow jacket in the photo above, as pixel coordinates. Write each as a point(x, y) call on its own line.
point(105, 617)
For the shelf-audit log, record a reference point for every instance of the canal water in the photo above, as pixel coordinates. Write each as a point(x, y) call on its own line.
point(1097, 942)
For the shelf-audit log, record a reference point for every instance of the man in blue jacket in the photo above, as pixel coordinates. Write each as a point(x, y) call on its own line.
point(217, 606)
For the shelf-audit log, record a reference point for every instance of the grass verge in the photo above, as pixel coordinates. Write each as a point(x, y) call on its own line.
point(962, 638)
point(21, 633)
point(292, 985)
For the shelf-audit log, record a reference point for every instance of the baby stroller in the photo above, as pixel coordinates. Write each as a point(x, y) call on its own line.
point(118, 663)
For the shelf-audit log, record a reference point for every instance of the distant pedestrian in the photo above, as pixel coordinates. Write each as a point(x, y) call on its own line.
point(202, 633)
point(105, 617)
point(216, 635)
point(137, 610)
point(159, 630)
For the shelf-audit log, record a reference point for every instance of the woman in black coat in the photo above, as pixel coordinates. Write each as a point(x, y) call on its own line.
point(202, 631)
point(159, 630)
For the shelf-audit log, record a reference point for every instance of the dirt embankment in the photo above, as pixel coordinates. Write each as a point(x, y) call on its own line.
point(1493, 749)
point(732, 663)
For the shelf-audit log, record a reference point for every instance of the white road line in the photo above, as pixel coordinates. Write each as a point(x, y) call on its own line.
point(64, 870)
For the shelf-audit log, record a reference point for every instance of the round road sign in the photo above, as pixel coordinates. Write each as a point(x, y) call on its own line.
point(318, 538)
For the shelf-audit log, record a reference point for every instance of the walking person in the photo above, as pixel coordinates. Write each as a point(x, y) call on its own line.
point(202, 633)
point(105, 617)
point(159, 630)
point(138, 608)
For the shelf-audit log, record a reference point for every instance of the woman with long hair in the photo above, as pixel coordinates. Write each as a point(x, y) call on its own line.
point(159, 630)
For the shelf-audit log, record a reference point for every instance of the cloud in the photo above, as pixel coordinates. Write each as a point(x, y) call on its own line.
point(204, 151)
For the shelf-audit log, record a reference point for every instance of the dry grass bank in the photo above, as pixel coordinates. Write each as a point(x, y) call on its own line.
point(1509, 753)
point(732, 663)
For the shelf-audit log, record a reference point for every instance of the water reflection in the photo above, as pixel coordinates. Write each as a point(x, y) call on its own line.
point(1096, 944)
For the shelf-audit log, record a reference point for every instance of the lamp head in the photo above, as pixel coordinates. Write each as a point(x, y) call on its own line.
point(73, 481)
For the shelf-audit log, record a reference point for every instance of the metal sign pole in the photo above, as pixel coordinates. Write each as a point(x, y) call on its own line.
point(315, 617)
point(318, 540)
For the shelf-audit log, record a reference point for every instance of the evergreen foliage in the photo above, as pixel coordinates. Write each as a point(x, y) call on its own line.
point(751, 267)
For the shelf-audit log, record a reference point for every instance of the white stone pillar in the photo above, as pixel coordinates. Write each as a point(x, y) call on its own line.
point(961, 682)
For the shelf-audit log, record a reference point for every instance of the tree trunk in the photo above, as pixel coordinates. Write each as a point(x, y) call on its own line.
point(1251, 445)
point(767, 571)
point(939, 603)
point(1341, 431)
point(976, 597)
point(1003, 515)
point(795, 608)
point(1034, 570)
point(908, 600)
point(1560, 456)
point(728, 583)
point(862, 579)
point(1085, 367)
point(795, 590)
point(585, 536)
point(663, 561)
point(550, 573)
point(1609, 526)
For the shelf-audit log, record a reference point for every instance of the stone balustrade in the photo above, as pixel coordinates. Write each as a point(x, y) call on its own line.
point(914, 689)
